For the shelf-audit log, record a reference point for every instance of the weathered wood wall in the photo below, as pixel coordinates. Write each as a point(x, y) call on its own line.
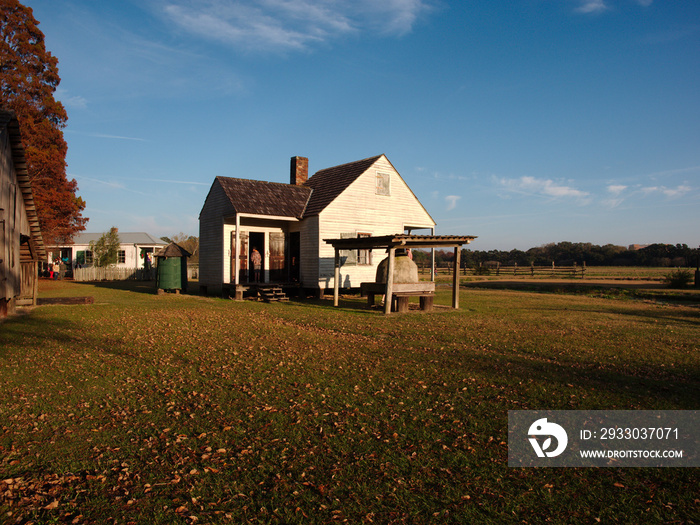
point(212, 254)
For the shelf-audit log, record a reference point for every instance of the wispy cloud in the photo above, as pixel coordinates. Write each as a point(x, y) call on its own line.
point(543, 187)
point(616, 189)
point(592, 6)
point(280, 25)
point(599, 6)
point(615, 197)
point(451, 201)
point(671, 193)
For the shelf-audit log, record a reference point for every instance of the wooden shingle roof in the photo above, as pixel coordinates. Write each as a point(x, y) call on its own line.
point(331, 182)
point(265, 198)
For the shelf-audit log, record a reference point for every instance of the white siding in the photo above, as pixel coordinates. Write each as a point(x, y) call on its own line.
point(360, 209)
point(211, 238)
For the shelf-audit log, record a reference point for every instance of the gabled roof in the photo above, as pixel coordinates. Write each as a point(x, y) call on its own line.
point(265, 198)
point(331, 182)
point(20, 162)
point(124, 238)
point(173, 250)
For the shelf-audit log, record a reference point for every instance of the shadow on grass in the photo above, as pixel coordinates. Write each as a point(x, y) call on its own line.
point(28, 331)
point(144, 287)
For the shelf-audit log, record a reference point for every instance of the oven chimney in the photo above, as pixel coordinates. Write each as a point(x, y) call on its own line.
point(299, 170)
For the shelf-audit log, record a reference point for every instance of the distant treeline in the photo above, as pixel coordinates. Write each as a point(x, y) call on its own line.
point(569, 253)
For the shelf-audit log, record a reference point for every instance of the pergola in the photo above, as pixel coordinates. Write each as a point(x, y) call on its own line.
point(391, 243)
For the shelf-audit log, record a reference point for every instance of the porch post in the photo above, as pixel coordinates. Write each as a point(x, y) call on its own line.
point(389, 282)
point(336, 286)
point(455, 278)
point(236, 253)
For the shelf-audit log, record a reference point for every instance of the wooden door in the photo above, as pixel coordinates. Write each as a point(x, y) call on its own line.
point(278, 271)
point(242, 258)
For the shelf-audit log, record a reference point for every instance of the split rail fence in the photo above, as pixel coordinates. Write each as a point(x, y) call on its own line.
point(571, 272)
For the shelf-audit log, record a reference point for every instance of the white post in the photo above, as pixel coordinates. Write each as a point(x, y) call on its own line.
point(389, 281)
point(432, 257)
point(236, 250)
point(336, 279)
point(455, 279)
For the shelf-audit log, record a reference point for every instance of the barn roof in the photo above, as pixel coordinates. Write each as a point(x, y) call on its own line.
point(265, 198)
point(20, 162)
point(331, 182)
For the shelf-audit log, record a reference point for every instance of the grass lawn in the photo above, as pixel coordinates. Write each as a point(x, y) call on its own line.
point(184, 409)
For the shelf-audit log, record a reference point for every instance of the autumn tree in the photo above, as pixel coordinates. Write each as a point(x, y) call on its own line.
point(105, 250)
point(188, 242)
point(28, 81)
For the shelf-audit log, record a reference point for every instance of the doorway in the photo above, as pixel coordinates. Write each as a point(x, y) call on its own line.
point(256, 240)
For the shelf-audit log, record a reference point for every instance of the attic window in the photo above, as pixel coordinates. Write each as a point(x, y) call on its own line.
point(383, 183)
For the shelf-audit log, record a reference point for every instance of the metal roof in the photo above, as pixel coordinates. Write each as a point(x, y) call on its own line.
point(124, 238)
point(401, 241)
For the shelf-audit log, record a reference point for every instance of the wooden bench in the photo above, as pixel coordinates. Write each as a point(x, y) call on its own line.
point(401, 293)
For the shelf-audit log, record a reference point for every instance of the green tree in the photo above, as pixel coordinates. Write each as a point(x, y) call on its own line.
point(28, 81)
point(105, 250)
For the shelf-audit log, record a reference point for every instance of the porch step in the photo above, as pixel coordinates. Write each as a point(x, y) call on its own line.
point(272, 293)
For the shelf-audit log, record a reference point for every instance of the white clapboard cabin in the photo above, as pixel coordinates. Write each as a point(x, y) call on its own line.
point(21, 243)
point(287, 223)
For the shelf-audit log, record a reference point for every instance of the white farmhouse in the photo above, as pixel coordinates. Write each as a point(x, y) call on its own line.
point(136, 250)
point(287, 224)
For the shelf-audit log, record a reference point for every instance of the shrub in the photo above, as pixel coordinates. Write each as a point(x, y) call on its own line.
point(678, 278)
point(481, 270)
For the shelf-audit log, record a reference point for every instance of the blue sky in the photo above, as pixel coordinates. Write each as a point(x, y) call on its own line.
point(521, 122)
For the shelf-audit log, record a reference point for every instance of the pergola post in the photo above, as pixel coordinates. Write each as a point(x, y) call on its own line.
point(455, 279)
point(336, 280)
point(388, 299)
point(432, 258)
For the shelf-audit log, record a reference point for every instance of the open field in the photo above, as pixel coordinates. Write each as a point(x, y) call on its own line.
point(599, 273)
point(184, 409)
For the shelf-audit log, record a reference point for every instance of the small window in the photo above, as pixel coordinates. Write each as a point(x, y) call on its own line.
point(88, 257)
point(121, 257)
point(364, 256)
point(383, 183)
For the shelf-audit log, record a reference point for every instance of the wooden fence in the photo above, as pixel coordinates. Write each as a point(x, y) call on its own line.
point(93, 273)
point(113, 274)
point(572, 272)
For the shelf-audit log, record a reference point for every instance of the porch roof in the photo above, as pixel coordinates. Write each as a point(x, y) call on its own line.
point(401, 241)
point(257, 197)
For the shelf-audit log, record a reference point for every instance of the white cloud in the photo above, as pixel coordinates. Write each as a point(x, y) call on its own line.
point(671, 193)
point(545, 187)
point(592, 6)
point(290, 24)
point(598, 6)
point(616, 189)
point(451, 201)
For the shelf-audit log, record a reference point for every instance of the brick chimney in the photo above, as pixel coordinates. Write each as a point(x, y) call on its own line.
point(299, 170)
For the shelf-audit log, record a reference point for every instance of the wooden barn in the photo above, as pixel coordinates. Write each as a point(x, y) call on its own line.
point(21, 244)
point(287, 223)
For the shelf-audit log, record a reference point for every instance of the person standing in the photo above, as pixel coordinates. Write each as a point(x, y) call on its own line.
point(256, 261)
